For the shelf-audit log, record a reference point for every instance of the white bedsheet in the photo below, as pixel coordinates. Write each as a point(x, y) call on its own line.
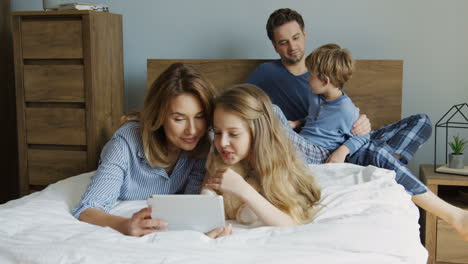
point(368, 218)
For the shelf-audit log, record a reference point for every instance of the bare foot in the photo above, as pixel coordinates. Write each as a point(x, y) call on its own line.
point(461, 225)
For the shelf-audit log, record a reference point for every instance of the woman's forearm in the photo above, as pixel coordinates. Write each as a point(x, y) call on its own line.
point(97, 217)
point(265, 211)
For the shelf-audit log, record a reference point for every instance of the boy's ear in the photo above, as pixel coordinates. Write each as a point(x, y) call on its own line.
point(326, 81)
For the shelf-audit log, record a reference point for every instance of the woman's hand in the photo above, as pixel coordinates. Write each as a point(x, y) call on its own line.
point(339, 155)
point(141, 224)
point(220, 231)
point(362, 126)
point(226, 180)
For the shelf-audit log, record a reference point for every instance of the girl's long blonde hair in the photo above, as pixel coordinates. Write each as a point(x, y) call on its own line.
point(177, 79)
point(285, 179)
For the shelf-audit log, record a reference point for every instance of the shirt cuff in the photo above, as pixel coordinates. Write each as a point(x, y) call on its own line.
point(82, 207)
point(352, 148)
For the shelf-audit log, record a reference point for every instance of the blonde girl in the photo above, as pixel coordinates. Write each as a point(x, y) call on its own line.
point(247, 130)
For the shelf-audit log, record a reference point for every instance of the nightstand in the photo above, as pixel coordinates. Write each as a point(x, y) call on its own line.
point(441, 240)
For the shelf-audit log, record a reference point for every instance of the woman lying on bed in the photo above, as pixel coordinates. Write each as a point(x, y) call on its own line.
point(247, 130)
point(163, 152)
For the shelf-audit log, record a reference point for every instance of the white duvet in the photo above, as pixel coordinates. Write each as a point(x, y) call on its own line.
point(368, 218)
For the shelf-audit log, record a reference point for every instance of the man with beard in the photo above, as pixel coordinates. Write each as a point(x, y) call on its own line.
point(285, 80)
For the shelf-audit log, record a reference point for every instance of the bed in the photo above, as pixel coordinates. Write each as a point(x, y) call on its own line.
point(367, 218)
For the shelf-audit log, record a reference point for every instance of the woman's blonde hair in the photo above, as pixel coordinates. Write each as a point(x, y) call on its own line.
point(286, 181)
point(177, 79)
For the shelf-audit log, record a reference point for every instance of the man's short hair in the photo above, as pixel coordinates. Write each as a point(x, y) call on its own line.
point(281, 17)
point(331, 61)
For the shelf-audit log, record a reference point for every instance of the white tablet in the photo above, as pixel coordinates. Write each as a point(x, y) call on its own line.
point(188, 212)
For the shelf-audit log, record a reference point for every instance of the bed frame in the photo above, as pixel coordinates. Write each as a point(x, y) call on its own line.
point(375, 87)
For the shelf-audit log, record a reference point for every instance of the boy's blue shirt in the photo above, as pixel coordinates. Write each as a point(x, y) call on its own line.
point(329, 123)
point(294, 97)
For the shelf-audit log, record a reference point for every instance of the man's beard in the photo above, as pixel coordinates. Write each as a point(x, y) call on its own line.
point(292, 61)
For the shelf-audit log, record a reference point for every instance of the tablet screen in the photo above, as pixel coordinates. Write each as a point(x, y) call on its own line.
point(188, 212)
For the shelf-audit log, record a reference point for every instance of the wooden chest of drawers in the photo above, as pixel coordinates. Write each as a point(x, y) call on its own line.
point(69, 91)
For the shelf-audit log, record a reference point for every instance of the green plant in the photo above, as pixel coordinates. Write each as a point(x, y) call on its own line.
point(458, 145)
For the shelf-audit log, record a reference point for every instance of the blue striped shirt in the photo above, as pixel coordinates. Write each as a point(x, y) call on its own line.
point(125, 174)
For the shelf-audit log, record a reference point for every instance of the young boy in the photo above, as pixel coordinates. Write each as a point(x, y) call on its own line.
point(326, 135)
point(329, 125)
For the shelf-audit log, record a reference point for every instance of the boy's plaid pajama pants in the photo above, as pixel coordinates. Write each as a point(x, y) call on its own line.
point(403, 137)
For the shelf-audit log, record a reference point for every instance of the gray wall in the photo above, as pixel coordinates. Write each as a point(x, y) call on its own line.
point(429, 35)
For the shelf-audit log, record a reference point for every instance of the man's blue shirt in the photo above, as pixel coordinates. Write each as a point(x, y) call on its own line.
point(291, 93)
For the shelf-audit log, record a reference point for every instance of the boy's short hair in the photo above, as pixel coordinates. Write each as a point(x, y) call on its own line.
point(331, 61)
point(281, 17)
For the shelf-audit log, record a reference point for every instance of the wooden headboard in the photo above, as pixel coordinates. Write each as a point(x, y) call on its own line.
point(375, 86)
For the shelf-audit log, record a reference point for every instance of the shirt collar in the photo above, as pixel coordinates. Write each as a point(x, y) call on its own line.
point(182, 157)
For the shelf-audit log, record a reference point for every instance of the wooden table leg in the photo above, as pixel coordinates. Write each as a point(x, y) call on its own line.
point(431, 230)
